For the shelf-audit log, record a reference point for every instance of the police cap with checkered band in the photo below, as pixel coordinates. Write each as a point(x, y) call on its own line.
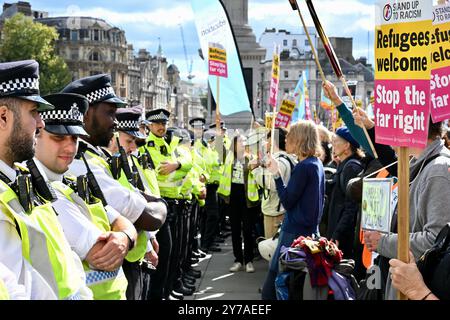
point(96, 89)
point(67, 117)
point(158, 116)
point(128, 121)
point(20, 79)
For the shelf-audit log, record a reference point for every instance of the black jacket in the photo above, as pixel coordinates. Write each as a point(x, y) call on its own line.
point(343, 211)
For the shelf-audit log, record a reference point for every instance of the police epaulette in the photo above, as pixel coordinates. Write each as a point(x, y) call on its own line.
point(151, 144)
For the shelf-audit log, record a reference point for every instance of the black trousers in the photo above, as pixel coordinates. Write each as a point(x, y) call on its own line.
point(188, 227)
point(159, 277)
point(195, 228)
point(212, 216)
point(176, 229)
point(242, 222)
point(133, 273)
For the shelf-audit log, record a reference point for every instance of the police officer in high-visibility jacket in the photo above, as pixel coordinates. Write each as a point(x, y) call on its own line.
point(171, 172)
point(193, 191)
point(140, 173)
point(222, 144)
point(98, 237)
point(100, 123)
point(29, 230)
point(238, 187)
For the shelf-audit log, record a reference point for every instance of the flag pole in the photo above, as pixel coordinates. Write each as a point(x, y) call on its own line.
point(218, 104)
point(335, 64)
point(316, 58)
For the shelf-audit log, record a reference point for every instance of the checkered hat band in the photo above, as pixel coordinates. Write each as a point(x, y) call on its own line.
point(61, 115)
point(99, 94)
point(160, 116)
point(128, 125)
point(19, 84)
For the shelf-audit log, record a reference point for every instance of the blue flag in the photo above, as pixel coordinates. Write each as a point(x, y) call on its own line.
point(299, 94)
point(213, 27)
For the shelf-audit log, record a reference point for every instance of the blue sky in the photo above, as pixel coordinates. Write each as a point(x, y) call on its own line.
point(144, 21)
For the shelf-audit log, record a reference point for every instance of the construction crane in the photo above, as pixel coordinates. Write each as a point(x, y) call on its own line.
point(189, 66)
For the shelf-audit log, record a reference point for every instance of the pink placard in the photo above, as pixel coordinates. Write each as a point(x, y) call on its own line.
point(402, 110)
point(282, 120)
point(217, 68)
point(440, 94)
point(273, 92)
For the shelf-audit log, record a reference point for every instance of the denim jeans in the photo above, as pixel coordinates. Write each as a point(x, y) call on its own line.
point(268, 290)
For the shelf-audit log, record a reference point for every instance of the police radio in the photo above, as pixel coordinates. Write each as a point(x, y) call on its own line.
point(92, 182)
point(82, 188)
point(25, 191)
point(41, 186)
point(115, 166)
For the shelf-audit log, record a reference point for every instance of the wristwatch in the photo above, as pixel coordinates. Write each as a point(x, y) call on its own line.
point(131, 241)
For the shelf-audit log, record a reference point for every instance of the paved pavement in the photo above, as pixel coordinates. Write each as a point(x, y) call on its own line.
point(217, 283)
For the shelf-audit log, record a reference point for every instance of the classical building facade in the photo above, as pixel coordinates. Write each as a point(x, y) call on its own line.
point(148, 80)
point(296, 44)
point(92, 46)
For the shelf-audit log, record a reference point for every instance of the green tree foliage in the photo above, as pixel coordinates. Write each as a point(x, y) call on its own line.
point(24, 39)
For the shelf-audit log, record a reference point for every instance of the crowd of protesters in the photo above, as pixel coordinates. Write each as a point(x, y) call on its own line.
point(118, 206)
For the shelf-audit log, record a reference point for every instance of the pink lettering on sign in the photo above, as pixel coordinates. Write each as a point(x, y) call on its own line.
point(219, 69)
point(402, 110)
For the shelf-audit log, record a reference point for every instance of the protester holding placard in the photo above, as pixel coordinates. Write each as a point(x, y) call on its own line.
point(408, 279)
point(302, 197)
point(429, 176)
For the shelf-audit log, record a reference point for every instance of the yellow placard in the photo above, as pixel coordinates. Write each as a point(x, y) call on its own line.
point(276, 66)
point(217, 54)
point(287, 107)
point(440, 55)
point(402, 51)
point(269, 119)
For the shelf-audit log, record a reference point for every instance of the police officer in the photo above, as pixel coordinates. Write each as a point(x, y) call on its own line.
point(171, 172)
point(22, 211)
point(142, 173)
point(100, 123)
point(193, 191)
point(222, 145)
point(201, 155)
point(102, 246)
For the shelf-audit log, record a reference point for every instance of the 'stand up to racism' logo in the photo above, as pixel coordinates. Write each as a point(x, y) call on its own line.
point(387, 12)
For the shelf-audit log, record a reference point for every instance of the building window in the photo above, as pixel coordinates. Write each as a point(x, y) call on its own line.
point(84, 33)
point(113, 55)
point(74, 35)
point(94, 56)
point(294, 42)
point(96, 36)
point(286, 74)
point(285, 42)
point(286, 91)
point(306, 42)
point(113, 78)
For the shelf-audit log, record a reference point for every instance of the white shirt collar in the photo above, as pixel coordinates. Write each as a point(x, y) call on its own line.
point(8, 171)
point(47, 173)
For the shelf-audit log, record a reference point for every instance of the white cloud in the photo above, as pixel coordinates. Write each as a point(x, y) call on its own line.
point(161, 17)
